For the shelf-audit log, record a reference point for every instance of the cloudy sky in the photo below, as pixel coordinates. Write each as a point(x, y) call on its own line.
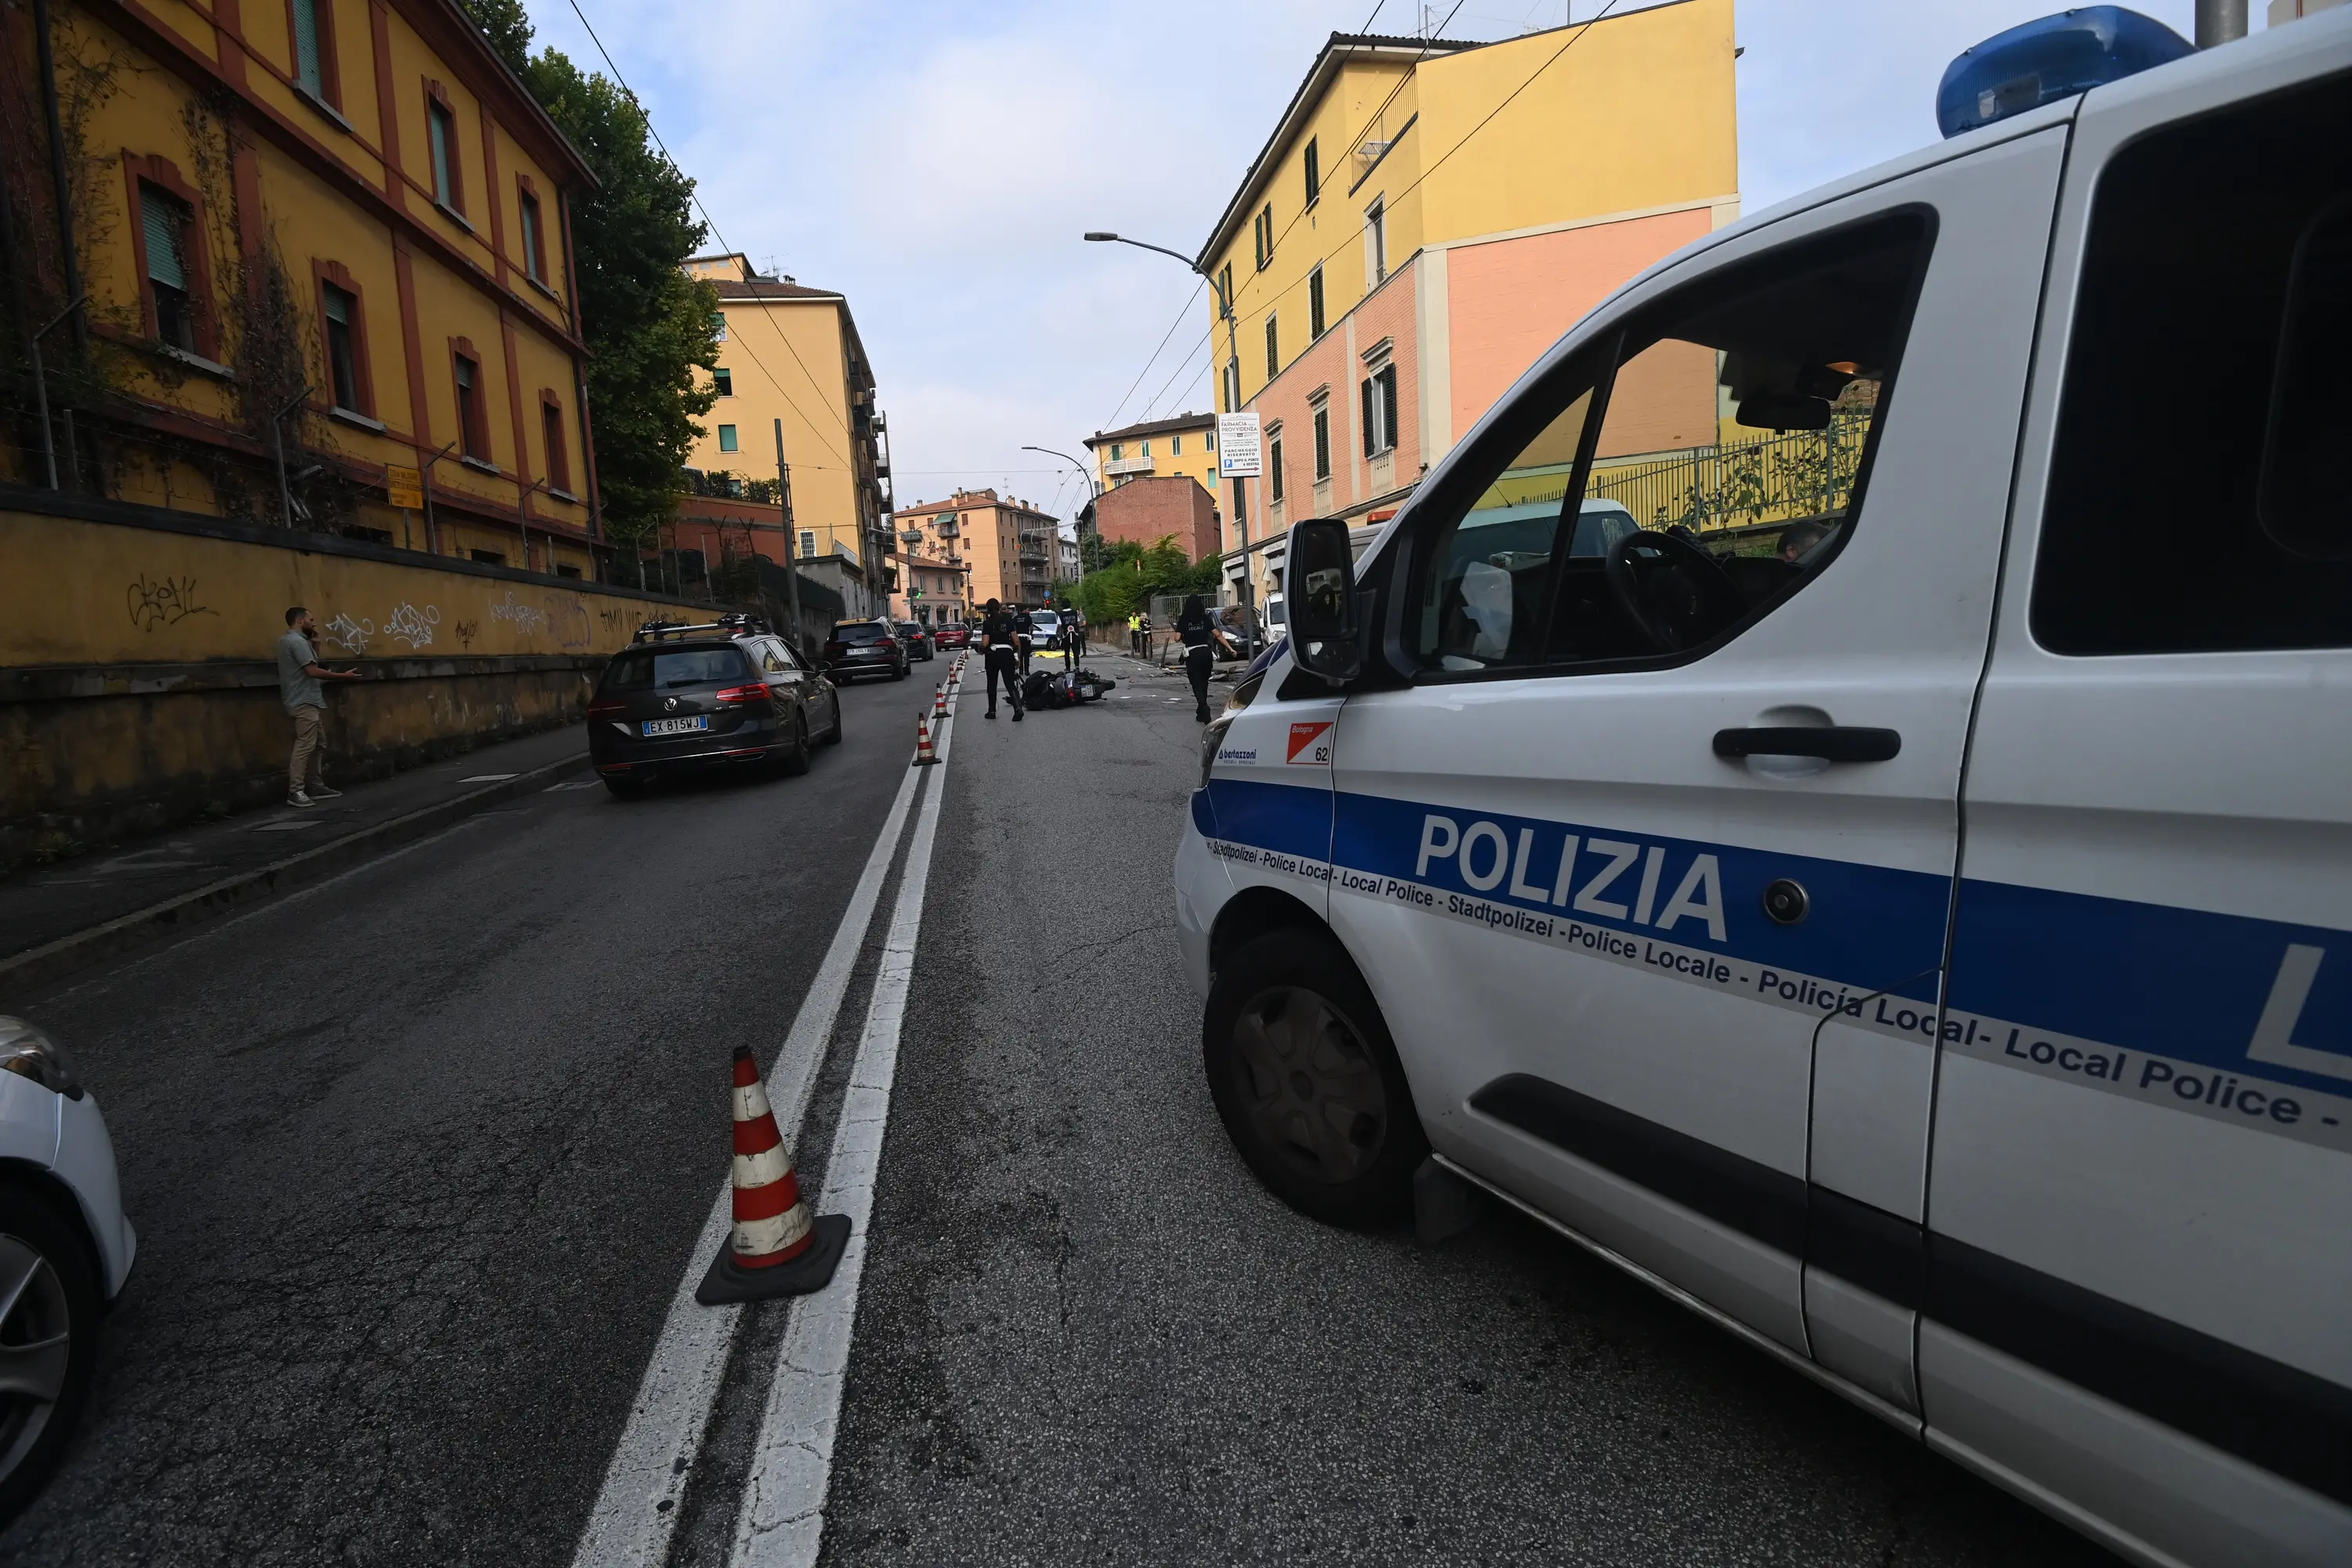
point(938, 162)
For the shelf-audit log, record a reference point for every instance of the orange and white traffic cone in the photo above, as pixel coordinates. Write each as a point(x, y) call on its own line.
point(924, 756)
point(776, 1249)
point(939, 707)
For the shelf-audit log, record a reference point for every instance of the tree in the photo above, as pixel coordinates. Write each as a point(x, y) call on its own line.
point(647, 324)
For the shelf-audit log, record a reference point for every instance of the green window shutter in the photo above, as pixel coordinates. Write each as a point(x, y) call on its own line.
point(339, 306)
point(306, 44)
point(164, 222)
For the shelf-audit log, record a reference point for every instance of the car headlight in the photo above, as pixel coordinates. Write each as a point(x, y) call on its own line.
point(29, 1052)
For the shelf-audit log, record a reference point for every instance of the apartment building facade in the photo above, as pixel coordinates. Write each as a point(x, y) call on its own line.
point(790, 352)
point(1427, 218)
point(318, 244)
point(1007, 547)
point(1184, 445)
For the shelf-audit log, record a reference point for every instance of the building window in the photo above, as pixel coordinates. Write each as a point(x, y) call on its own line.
point(341, 310)
point(718, 325)
point(1225, 289)
point(1145, 450)
point(473, 426)
point(1273, 351)
point(808, 543)
point(1274, 464)
point(1380, 394)
point(726, 442)
point(441, 130)
point(313, 25)
point(534, 246)
point(726, 380)
point(1117, 452)
point(1314, 322)
point(167, 223)
point(1322, 441)
point(550, 428)
point(1210, 435)
point(1376, 242)
point(1175, 445)
point(1314, 162)
point(1262, 231)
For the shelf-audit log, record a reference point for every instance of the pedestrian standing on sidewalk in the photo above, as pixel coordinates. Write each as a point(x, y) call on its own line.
point(1143, 625)
point(1200, 636)
point(301, 687)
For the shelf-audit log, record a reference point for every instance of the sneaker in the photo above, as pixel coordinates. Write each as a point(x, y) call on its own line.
point(990, 714)
point(320, 792)
point(1016, 717)
point(296, 798)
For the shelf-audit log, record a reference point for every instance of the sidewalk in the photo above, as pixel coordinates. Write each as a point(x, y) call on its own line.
point(61, 917)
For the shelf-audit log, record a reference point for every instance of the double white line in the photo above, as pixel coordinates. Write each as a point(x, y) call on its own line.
point(782, 1514)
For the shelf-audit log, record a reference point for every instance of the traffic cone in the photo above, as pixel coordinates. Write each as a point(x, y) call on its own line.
point(924, 756)
point(939, 707)
point(775, 1249)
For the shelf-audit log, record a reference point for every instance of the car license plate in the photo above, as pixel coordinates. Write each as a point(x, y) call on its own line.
point(677, 726)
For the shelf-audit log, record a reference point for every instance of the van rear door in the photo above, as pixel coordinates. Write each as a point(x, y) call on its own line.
point(2141, 1205)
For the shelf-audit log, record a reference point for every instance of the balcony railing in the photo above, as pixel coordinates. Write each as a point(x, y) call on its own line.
point(1776, 478)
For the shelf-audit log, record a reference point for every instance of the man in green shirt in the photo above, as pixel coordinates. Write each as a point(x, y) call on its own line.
point(300, 686)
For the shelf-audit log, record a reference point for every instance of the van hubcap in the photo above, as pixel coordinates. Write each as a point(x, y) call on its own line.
point(1308, 1087)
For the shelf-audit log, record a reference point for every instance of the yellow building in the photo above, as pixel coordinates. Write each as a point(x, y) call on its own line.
point(790, 352)
point(333, 229)
point(1427, 218)
point(1184, 445)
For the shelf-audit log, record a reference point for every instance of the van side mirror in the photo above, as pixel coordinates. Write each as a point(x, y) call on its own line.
point(1319, 596)
point(2299, 498)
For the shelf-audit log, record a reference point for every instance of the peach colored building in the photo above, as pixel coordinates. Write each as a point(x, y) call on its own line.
point(1427, 218)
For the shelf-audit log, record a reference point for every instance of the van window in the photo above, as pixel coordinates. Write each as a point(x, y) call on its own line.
point(1683, 483)
point(2188, 510)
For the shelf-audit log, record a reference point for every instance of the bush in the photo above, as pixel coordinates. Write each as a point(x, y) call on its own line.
point(1123, 576)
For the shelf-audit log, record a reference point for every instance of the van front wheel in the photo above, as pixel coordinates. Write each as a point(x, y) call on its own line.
point(1308, 1082)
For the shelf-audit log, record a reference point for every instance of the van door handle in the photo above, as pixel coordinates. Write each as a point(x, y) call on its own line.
point(1832, 743)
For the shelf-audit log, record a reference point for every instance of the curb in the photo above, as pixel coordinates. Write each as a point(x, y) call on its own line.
point(38, 965)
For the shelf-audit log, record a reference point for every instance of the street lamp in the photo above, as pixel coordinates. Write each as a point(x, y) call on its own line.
point(1234, 352)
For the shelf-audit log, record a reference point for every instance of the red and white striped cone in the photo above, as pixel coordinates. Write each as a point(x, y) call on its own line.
point(939, 707)
point(924, 756)
point(775, 1249)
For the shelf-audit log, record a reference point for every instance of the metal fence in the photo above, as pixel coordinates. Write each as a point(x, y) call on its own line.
point(1777, 478)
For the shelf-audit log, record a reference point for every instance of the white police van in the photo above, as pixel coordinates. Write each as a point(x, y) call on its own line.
point(1915, 935)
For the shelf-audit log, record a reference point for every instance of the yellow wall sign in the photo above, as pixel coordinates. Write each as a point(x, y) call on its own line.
point(403, 487)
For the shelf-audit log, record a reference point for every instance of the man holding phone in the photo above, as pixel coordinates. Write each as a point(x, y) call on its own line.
point(301, 687)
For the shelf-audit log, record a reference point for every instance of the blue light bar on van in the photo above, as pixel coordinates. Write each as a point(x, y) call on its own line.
point(2049, 58)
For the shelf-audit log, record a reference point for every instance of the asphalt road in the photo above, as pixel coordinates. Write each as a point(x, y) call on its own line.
point(418, 1158)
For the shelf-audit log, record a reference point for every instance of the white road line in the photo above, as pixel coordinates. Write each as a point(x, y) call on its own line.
point(638, 1508)
point(782, 1518)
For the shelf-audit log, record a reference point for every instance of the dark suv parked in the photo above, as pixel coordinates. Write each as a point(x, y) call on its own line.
point(918, 640)
point(684, 699)
point(865, 647)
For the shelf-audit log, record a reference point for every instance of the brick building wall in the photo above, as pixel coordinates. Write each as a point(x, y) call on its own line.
point(1147, 510)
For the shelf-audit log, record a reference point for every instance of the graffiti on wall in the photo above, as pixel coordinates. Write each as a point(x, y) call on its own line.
point(348, 634)
point(411, 625)
point(161, 601)
point(569, 619)
point(527, 618)
point(467, 632)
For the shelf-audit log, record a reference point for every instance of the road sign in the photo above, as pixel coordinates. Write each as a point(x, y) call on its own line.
point(404, 486)
point(1237, 446)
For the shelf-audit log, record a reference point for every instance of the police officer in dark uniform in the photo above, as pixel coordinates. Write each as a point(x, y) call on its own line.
point(1003, 632)
point(1201, 634)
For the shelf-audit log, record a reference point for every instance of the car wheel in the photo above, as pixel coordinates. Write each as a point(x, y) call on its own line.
point(793, 761)
point(833, 736)
point(625, 789)
point(898, 671)
point(49, 1303)
point(1308, 1082)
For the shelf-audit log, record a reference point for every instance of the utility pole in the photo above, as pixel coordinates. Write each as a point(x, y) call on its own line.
point(1240, 486)
point(2220, 22)
point(791, 568)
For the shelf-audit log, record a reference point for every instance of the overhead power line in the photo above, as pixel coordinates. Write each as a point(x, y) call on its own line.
point(712, 224)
